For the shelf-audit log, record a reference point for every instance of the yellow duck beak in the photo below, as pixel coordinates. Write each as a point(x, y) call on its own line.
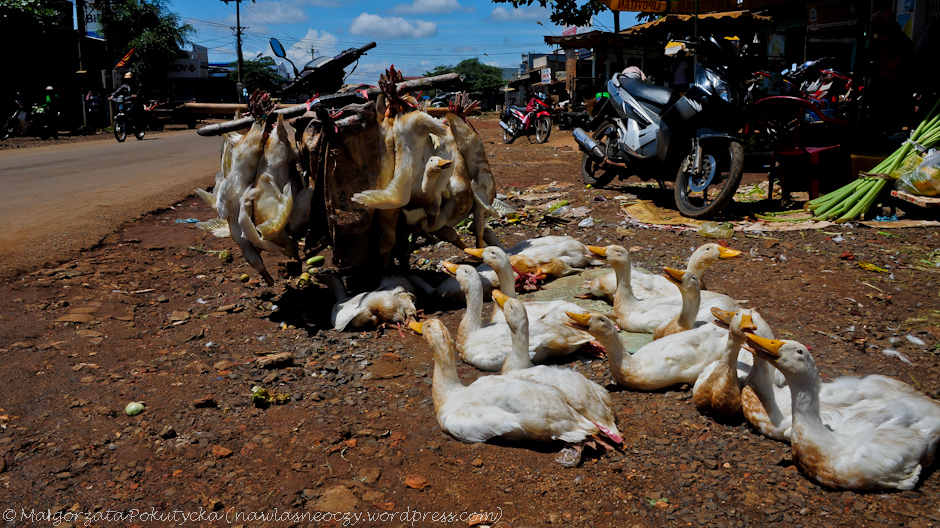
point(767, 348)
point(724, 317)
point(443, 163)
point(747, 324)
point(416, 326)
point(583, 319)
point(727, 253)
point(673, 275)
point(500, 298)
point(474, 252)
point(450, 267)
point(598, 250)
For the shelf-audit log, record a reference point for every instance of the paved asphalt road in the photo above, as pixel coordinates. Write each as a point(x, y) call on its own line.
point(58, 200)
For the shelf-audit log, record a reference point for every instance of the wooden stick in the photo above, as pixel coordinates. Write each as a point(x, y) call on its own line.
point(337, 99)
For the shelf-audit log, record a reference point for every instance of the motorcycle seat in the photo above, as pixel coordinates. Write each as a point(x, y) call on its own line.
point(518, 108)
point(659, 96)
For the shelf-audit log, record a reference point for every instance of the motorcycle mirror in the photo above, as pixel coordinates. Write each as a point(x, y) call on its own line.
point(278, 48)
point(793, 67)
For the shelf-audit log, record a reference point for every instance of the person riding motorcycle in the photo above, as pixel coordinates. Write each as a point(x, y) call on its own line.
point(130, 90)
point(50, 110)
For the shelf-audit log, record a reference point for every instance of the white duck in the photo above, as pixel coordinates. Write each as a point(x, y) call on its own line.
point(497, 260)
point(499, 406)
point(674, 359)
point(412, 146)
point(487, 346)
point(717, 390)
point(391, 302)
point(646, 315)
point(881, 443)
point(648, 284)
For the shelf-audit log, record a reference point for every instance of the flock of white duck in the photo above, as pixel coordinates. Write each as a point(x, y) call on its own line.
point(869, 432)
point(851, 433)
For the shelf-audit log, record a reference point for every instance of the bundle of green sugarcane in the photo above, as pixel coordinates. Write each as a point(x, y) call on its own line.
point(856, 198)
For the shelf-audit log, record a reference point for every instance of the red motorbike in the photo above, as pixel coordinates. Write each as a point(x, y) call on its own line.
point(535, 117)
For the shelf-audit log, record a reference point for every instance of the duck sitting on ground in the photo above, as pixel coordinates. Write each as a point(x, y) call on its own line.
point(392, 302)
point(499, 406)
point(717, 390)
point(674, 359)
point(647, 284)
point(883, 441)
point(487, 346)
point(646, 315)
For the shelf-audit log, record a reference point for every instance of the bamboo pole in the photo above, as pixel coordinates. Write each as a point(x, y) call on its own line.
point(342, 98)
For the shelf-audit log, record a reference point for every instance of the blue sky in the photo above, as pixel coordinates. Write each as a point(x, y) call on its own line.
point(414, 35)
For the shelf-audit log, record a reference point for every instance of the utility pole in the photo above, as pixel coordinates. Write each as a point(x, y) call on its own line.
point(238, 42)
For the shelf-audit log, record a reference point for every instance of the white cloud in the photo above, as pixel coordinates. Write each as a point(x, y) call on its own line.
point(418, 7)
point(323, 42)
point(268, 12)
point(376, 27)
point(519, 14)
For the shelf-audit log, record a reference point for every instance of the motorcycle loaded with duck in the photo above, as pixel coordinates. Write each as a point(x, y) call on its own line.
point(652, 131)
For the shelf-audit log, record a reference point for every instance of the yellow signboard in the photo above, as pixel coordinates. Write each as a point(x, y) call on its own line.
point(672, 6)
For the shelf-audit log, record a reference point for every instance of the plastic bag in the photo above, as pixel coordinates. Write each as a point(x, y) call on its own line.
point(716, 230)
point(907, 166)
point(925, 179)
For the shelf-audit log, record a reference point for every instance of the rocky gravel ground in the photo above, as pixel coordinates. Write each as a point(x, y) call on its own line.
point(154, 315)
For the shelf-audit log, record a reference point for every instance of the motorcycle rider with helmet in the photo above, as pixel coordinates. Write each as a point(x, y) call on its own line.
point(130, 90)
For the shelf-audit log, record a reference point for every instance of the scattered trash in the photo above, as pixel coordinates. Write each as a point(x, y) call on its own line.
point(716, 230)
point(502, 207)
point(551, 208)
point(895, 353)
point(134, 408)
point(600, 198)
point(316, 261)
point(200, 301)
point(304, 280)
point(187, 220)
point(886, 218)
point(871, 267)
point(587, 222)
point(225, 256)
point(837, 238)
point(916, 340)
point(783, 258)
point(262, 397)
point(847, 256)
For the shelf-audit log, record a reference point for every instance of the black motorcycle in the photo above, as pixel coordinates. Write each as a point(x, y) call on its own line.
point(653, 131)
point(123, 120)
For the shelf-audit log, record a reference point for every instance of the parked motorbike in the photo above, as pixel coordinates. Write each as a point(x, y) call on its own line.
point(535, 118)
point(653, 131)
point(441, 99)
point(123, 120)
point(17, 122)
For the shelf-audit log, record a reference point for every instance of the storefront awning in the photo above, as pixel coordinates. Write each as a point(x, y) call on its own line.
point(655, 32)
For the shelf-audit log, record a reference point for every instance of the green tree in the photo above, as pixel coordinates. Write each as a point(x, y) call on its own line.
point(258, 74)
point(565, 12)
point(480, 78)
point(155, 33)
point(31, 12)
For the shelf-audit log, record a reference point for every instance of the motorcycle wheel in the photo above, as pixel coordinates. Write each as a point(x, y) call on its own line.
point(507, 136)
point(120, 130)
point(705, 195)
point(543, 129)
point(8, 129)
point(139, 132)
point(593, 172)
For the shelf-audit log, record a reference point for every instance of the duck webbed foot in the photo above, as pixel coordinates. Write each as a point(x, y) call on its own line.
point(595, 349)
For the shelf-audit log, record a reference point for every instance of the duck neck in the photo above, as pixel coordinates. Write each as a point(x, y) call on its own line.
point(518, 358)
point(807, 423)
point(732, 349)
point(691, 300)
point(473, 318)
point(624, 299)
point(445, 378)
point(506, 277)
point(621, 362)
